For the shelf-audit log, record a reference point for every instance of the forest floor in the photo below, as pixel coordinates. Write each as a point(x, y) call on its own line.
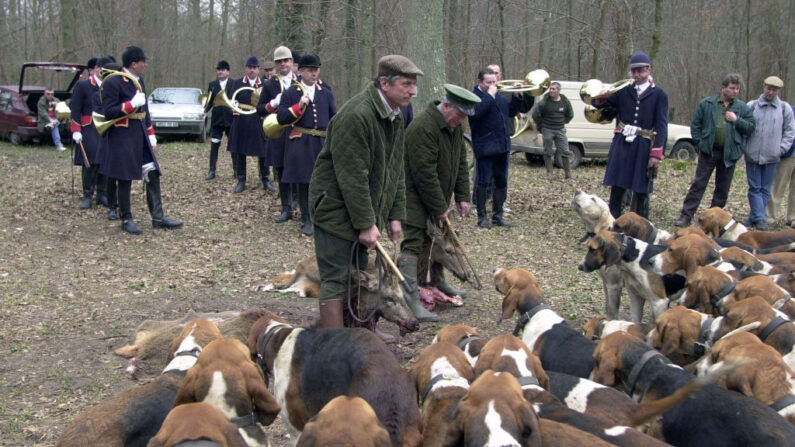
point(74, 287)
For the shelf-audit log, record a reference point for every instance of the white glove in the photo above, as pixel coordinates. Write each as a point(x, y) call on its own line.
point(77, 137)
point(629, 132)
point(153, 141)
point(275, 101)
point(138, 100)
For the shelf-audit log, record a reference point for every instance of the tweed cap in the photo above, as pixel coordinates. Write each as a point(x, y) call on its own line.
point(395, 64)
point(222, 65)
point(639, 59)
point(282, 52)
point(462, 98)
point(268, 65)
point(774, 81)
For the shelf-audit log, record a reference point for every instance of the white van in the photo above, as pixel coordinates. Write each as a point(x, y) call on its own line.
point(590, 140)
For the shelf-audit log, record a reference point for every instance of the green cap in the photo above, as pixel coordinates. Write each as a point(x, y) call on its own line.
point(395, 64)
point(461, 98)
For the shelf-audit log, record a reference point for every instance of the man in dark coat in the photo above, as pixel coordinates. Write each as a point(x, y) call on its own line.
point(85, 136)
point(641, 110)
point(491, 144)
point(246, 137)
point(436, 170)
point(272, 90)
point(309, 106)
point(111, 185)
point(221, 115)
point(358, 185)
point(131, 140)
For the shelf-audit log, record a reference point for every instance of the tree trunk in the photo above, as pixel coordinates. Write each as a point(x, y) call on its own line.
point(224, 24)
point(68, 22)
point(655, 38)
point(426, 34)
point(597, 41)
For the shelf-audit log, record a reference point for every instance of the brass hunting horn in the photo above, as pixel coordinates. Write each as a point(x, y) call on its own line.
point(101, 123)
point(536, 83)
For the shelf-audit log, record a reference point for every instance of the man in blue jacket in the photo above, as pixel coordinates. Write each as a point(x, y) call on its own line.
point(491, 144)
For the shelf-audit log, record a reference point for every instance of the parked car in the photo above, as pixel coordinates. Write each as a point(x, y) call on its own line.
point(590, 140)
point(18, 102)
point(178, 111)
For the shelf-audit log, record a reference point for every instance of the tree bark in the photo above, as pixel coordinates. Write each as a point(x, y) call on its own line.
point(426, 35)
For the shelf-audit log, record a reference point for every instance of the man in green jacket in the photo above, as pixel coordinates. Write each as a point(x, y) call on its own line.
point(551, 114)
point(718, 127)
point(358, 183)
point(436, 169)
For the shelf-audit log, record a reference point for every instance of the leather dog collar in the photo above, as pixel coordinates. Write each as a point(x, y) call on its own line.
point(727, 289)
point(783, 403)
point(587, 236)
point(700, 347)
point(193, 353)
point(597, 334)
point(726, 227)
point(261, 349)
point(466, 341)
point(525, 317)
point(652, 235)
point(772, 326)
point(245, 421)
point(528, 380)
point(634, 374)
point(781, 302)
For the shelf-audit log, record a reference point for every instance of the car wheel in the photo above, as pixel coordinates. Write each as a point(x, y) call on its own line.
point(683, 151)
point(576, 157)
point(532, 159)
point(14, 138)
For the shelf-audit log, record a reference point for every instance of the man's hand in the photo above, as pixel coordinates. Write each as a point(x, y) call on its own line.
point(275, 101)
point(444, 215)
point(492, 90)
point(77, 137)
point(153, 141)
point(369, 236)
point(731, 116)
point(138, 100)
point(395, 230)
point(304, 101)
point(653, 162)
point(463, 209)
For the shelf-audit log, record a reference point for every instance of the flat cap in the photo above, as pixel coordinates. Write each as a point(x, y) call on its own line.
point(282, 52)
point(774, 81)
point(252, 61)
point(395, 64)
point(462, 98)
point(268, 65)
point(222, 65)
point(639, 59)
point(309, 60)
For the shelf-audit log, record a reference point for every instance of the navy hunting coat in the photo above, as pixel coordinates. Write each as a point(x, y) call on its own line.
point(491, 123)
point(82, 106)
point(301, 150)
point(246, 136)
point(222, 116)
point(128, 147)
point(270, 89)
point(627, 162)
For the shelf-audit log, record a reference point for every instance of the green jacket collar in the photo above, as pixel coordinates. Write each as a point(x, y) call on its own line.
point(378, 103)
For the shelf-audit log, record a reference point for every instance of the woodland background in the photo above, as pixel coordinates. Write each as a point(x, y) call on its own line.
point(693, 43)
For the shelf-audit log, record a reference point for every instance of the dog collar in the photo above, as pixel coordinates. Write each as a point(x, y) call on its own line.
point(781, 302)
point(434, 380)
point(193, 353)
point(465, 342)
point(632, 379)
point(597, 334)
point(772, 326)
point(261, 349)
point(700, 347)
point(727, 289)
point(528, 380)
point(245, 421)
point(783, 403)
point(726, 227)
point(627, 244)
point(525, 317)
point(652, 235)
point(587, 236)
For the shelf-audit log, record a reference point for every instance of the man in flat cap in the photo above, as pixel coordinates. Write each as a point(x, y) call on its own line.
point(268, 69)
point(221, 116)
point(436, 170)
point(131, 142)
point(309, 106)
point(763, 149)
point(551, 115)
point(272, 90)
point(641, 112)
point(358, 185)
point(246, 137)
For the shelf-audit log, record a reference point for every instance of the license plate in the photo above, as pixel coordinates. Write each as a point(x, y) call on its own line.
point(166, 124)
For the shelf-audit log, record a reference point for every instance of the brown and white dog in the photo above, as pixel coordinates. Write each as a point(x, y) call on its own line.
point(507, 353)
point(773, 327)
point(684, 335)
point(345, 421)
point(718, 222)
point(637, 226)
point(226, 377)
point(723, 417)
point(762, 373)
point(596, 216)
point(632, 257)
point(133, 416)
point(599, 327)
point(305, 281)
point(684, 254)
point(465, 337)
point(314, 365)
point(199, 421)
point(442, 375)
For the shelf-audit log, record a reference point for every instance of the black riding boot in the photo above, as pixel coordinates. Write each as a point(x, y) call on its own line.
point(88, 176)
point(480, 203)
point(617, 197)
point(240, 173)
point(155, 203)
point(303, 201)
point(113, 197)
point(500, 194)
point(640, 204)
point(127, 223)
point(264, 173)
point(287, 209)
point(101, 182)
point(213, 159)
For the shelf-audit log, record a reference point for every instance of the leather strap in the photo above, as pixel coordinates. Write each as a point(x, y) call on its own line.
point(652, 235)
point(525, 317)
point(634, 374)
point(313, 132)
point(597, 332)
point(527, 380)
point(781, 302)
point(462, 345)
point(726, 227)
point(245, 421)
point(772, 326)
point(587, 236)
point(261, 349)
point(700, 348)
point(783, 403)
point(434, 380)
point(727, 289)
point(193, 353)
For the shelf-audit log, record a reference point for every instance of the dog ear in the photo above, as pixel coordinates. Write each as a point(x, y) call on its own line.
point(611, 253)
point(266, 404)
point(510, 304)
point(671, 339)
point(691, 262)
point(187, 390)
point(531, 428)
point(606, 363)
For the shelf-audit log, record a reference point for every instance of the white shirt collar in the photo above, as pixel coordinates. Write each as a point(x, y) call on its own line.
point(393, 113)
point(124, 69)
point(287, 80)
point(223, 83)
point(309, 90)
point(642, 87)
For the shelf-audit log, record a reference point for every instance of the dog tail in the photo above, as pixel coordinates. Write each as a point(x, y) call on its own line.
point(649, 410)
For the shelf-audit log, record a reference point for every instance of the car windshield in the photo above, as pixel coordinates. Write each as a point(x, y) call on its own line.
point(174, 96)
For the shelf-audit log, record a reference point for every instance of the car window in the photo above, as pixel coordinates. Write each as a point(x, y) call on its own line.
point(174, 96)
point(5, 100)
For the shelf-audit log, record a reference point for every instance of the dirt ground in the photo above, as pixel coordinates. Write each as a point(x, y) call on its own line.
point(74, 287)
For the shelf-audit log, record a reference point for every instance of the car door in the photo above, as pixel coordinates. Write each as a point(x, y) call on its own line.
point(6, 105)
